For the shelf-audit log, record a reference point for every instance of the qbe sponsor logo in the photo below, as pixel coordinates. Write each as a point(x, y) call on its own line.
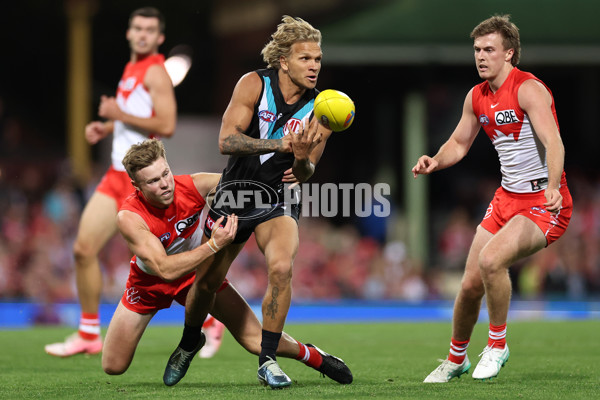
point(506, 117)
point(186, 223)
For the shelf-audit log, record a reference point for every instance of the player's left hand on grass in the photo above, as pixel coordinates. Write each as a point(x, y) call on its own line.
point(553, 200)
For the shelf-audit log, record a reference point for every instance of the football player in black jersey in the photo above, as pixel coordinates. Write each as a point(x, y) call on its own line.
point(272, 139)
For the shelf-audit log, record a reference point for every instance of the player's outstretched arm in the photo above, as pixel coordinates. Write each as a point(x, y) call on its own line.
point(95, 131)
point(236, 120)
point(456, 147)
point(148, 248)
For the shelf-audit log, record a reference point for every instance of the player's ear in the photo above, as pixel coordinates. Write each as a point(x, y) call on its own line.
point(135, 185)
point(283, 63)
point(161, 39)
point(509, 54)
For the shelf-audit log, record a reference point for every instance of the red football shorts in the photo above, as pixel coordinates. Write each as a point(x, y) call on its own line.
point(506, 205)
point(145, 293)
point(116, 184)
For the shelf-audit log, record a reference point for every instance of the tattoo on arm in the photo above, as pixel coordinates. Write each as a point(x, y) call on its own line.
point(274, 306)
point(243, 145)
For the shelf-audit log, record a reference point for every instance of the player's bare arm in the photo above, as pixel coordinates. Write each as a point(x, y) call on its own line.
point(148, 248)
point(205, 182)
point(236, 120)
point(308, 146)
point(536, 101)
point(456, 147)
point(160, 87)
point(97, 130)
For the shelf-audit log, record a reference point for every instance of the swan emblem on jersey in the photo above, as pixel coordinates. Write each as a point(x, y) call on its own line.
point(132, 296)
point(128, 84)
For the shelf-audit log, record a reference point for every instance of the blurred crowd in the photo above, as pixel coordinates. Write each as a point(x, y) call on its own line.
point(40, 205)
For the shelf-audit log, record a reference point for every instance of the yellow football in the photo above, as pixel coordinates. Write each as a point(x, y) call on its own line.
point(334, 110)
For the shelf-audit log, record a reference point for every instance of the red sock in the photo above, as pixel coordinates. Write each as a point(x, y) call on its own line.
point(458, 351)
point(309, 356)
point(89, 326)
point(208, 321)
point(497, 336)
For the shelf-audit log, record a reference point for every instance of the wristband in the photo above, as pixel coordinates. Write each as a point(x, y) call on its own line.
point(209, 245)
point(214, 242)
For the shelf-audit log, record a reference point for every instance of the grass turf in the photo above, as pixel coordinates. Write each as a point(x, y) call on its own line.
point(549, 360)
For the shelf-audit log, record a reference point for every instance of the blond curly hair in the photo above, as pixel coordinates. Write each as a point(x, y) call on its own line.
point(291, 30)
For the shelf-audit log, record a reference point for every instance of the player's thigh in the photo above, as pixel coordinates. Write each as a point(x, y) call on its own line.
point(212, 271)
point(98, 221)
point(122, 337)
point(234, 312)
point(278, 239)
point(519, 238)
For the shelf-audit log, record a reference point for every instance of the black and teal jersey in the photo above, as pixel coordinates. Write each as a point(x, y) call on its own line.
point(273, 119)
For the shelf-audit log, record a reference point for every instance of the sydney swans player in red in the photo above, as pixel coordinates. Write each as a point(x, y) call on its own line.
point(529, 211)
point(161, 223)
point(144, 106)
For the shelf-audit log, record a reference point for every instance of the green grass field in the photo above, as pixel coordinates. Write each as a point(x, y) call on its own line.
point(549, 360)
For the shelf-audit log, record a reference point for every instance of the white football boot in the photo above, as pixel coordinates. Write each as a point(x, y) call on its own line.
point(448, 370)
point(492, 360)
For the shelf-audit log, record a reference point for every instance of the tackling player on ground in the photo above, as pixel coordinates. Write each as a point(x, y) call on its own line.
point(144, 107)
point(160, 222)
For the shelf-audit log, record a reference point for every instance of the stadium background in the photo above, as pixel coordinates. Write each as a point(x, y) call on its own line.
point(407, 65)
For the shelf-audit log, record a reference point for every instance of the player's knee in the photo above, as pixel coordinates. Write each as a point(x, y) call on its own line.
point(280, 272)
point(114, 367)
point(83, 251)
point(208, 285)
point(488, 264)
point(472, 289)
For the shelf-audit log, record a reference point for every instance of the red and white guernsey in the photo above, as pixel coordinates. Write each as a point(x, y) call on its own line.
point(522, 155)
point(176, 226)
point(134, 99)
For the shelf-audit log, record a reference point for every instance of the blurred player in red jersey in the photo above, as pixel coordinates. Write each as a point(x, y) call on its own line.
point(161, 223)
point(529, 211)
